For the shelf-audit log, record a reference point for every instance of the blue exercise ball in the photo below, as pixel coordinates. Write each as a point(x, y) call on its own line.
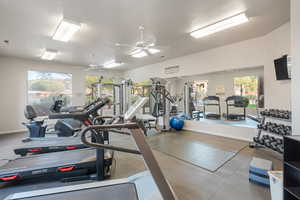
point(176, 123)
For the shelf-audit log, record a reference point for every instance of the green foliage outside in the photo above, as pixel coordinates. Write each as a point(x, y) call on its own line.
point(249, 83)
point(90, 80)
point(43, 107)
point(247, 86)
point(45, 87)
point(142, 83)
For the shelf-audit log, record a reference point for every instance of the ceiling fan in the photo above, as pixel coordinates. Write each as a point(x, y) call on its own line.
point(141, 48)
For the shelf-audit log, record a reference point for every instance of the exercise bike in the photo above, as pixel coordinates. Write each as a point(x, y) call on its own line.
point(62, 128)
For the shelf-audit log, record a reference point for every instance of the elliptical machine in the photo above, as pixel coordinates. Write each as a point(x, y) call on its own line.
point(38, 128)
point(63, 127)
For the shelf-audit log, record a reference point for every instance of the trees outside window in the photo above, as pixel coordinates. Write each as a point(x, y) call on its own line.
point(199, 91)
point(247, 86)
point(45, 87)
point(90, 80)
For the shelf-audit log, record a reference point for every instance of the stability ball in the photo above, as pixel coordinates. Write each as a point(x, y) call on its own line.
point(176, 123)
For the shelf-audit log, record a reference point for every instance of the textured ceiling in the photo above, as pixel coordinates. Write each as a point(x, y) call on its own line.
point(29, 25)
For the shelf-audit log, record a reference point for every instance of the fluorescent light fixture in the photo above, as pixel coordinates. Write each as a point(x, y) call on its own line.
point(49, 54)
point(153, 51)
point(65, 30)
point(93, 65)
point(112, 64)
point(138, 53)
point(219, 26)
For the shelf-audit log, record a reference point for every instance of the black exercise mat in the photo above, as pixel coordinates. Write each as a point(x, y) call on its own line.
point(186, 148)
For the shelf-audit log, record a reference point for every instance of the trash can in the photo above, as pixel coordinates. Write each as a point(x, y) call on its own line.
point(276, 184)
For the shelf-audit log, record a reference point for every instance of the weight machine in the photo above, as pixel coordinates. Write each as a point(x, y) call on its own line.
point(161, 98)
point(188, 106)
point(119, 94)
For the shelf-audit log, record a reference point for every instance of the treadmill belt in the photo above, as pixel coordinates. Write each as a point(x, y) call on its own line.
point(125, 191)
point(40, 146)
point(58, 141)
point(48, 160)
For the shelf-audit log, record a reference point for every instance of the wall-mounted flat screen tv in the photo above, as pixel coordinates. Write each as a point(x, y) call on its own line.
point(282, 68)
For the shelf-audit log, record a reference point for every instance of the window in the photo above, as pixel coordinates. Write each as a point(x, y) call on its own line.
point(106, 90)
point(91, 91)
point(45, 87)
point(247, 86)
point(89, 81)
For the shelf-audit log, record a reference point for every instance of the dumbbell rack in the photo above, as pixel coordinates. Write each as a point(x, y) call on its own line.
point(261, 132)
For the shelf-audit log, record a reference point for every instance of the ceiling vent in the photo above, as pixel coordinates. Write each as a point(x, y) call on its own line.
point(172, 69)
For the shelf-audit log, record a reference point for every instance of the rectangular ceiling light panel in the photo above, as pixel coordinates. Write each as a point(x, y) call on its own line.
point(219, 26)
point(112, 64)
point(65, 30)
point(153, 51)
point(138, 53)
point(49, 54)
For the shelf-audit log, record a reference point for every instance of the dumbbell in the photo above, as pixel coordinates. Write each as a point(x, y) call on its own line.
point(256, 139)
point(259, 126)
point(274, 145)
point(280, 148)
point(279, 141)
point(284, 114)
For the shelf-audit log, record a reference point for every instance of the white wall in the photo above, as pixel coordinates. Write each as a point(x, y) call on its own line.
point(13, 87)
point(251, 53)
point(277, 93)
point(295, 41)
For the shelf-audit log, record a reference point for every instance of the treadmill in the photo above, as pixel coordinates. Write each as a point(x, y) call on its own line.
point(54, 144)
point(62, 164)
point(211, 101)
point(236, 102)
point(149, 185)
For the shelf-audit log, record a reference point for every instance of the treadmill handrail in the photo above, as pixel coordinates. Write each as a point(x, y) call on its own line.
point(98, 106)
point(74, 115)
point(144, 149)
point(104, 146)
point(79, 115)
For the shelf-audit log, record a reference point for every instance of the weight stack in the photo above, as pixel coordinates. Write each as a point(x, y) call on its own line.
point(258, 171)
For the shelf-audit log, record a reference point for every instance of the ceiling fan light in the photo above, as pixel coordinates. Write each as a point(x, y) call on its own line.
point(219, 26)
point(153, 51)
point(112, 64)
point(138, 53)
point(49, 54)
point(65, 30)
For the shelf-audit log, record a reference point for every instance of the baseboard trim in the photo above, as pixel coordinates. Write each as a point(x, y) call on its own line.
point(218, 134)
point(12, 131)
point(234, 132)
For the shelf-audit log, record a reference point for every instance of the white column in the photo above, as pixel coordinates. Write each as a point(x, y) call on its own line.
point(295, 49)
